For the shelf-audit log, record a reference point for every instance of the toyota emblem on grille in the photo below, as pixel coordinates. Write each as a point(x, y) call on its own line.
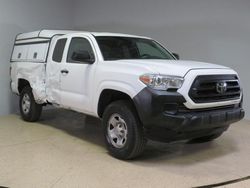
point(221, 87)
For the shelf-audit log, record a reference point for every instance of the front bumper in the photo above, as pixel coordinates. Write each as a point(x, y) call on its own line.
point(166, 119)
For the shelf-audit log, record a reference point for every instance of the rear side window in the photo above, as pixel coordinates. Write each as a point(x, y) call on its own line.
point(58, 51)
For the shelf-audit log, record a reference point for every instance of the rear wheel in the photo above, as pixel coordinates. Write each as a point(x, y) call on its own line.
point(123, 131)
point(29, 109)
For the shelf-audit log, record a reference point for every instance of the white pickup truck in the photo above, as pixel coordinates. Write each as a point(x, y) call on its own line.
point(136, 86)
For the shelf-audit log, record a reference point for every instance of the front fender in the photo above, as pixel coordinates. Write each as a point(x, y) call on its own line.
point(129, 89)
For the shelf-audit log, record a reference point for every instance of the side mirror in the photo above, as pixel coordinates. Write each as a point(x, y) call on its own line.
point(82, 56)
point(176, 55)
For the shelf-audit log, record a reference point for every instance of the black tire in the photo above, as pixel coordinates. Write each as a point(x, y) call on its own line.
point(204, 139)
point(135, 140)
point(34, 112)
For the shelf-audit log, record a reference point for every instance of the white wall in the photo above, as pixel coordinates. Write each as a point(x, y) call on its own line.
point(214, 31)
point(21, 16)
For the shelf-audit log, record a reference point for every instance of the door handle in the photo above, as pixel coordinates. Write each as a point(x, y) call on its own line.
point(64, 71)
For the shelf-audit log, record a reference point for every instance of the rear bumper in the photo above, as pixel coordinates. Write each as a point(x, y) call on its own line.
point(165, 119)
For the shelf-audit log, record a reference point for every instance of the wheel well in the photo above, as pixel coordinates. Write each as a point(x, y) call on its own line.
point(22, 83)
point(108, 96)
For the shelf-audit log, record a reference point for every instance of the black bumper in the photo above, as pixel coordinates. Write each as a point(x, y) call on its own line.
point(165, 118)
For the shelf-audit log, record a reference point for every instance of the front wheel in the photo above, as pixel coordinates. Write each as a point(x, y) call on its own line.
point(29, 109)
point(123, 131)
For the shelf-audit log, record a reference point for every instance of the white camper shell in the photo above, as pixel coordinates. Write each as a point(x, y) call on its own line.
point(34, 46)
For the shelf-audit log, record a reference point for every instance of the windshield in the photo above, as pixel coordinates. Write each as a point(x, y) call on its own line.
point(115, 48)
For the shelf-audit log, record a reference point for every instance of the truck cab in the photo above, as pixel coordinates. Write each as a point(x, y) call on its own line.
point(71, 68)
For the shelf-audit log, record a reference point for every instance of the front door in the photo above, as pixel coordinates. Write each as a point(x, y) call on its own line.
point(77, 75)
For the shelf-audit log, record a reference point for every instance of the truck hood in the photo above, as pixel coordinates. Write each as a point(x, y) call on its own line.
point(170, 67)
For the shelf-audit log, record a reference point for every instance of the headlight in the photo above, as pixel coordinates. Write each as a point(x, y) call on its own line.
point(162, 82)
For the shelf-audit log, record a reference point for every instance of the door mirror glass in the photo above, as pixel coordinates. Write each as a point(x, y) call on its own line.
point(176, 55)
point(82, 56)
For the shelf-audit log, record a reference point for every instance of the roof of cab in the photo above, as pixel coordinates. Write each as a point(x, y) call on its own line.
point(50, 33)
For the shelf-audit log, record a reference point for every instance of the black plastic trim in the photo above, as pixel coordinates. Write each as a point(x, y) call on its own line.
point(150, 103)
point(165, 118)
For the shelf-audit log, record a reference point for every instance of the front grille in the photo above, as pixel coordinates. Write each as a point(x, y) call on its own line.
point(215, 88)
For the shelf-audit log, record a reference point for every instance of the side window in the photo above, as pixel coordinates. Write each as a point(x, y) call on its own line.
point(80, 51)
point(58, 51)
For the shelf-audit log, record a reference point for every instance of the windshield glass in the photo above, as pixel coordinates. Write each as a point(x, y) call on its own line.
point(115, 48)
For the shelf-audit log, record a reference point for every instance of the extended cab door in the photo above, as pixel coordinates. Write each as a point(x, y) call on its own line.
point(77, 73)
point(53, 70)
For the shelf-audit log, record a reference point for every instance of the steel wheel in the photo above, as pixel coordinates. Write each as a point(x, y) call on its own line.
point(29, 109)
point(124, 135)
point(26, 104)
point(117, 131)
